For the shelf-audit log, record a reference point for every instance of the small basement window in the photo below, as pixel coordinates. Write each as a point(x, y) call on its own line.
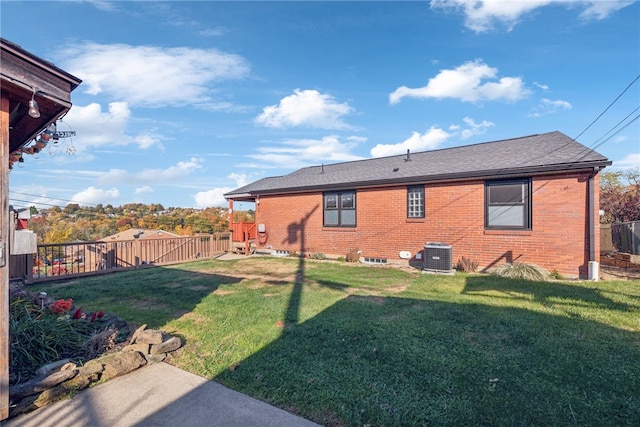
point(370, 260)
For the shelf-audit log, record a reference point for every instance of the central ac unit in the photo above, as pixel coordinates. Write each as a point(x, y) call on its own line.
point(437, 258)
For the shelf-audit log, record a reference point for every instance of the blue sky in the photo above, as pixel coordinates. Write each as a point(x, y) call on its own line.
point(182, 101)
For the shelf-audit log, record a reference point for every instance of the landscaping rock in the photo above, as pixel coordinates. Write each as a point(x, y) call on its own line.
point(142, 348)
point(148, 336)
point(55, 379)
point(38, 385)
point(121, 363)
point(137, 332)
point(22, 406)
point(155, 358)
point(50, 396)
point(62, 378)
point(45, 370)
point(171, 344)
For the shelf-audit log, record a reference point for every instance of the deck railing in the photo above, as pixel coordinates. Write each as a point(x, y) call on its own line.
point(54, 261)
point(244, 233)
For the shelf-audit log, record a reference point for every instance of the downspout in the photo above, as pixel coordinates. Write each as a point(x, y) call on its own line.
point(594, 267)
point(231, 225)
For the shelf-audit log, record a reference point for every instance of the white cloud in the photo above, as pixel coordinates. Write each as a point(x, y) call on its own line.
point(297, 153)
point(151, 76)
point(214, 32)
point(92, 196)
point(152, 176)
point(214, 197)
point(96, 128)
point(630, 161)
point(308, 108)
point(429, 140)
point(549, 106)
point(484, 15)
point(144, 189)
point(541, 86)
point(598, 9)
point(473, 128)
point(468, 83)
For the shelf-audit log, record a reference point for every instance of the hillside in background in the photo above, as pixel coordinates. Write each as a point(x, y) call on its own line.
point(80, 223)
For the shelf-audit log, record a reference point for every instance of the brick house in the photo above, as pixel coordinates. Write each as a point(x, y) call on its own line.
point(532, 199)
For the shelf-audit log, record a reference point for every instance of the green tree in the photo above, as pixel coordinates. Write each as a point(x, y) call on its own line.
point(620, 196)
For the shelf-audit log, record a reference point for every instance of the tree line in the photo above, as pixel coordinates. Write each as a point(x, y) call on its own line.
point(620, 196)
point(85, 223)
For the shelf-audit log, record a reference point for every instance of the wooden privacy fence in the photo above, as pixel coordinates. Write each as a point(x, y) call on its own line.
point(620, 237)
point(54, 261)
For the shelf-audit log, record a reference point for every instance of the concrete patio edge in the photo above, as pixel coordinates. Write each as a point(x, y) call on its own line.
point(159, 395)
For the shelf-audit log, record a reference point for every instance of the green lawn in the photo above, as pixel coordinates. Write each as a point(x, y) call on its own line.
point(356, 345)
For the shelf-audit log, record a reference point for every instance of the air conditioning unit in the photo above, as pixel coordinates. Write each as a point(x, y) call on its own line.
point(437, 258)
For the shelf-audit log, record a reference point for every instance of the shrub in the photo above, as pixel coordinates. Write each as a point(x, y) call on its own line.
point(521, 270)
point(318, 255)
point(353, 255)
point(467, 265)
point(556, 275)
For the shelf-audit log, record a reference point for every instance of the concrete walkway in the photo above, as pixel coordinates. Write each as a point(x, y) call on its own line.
point(158, 395)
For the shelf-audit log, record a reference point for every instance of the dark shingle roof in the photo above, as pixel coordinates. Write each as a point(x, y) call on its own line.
point(532, 154)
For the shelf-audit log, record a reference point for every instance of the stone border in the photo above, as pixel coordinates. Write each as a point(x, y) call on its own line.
point(62, 379)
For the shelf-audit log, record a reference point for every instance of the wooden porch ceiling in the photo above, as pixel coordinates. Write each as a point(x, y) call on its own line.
point(24, 75)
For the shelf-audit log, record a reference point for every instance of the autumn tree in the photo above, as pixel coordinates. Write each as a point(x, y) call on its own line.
point(620, 196)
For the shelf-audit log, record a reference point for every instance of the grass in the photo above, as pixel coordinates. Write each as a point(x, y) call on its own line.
point(351, 345)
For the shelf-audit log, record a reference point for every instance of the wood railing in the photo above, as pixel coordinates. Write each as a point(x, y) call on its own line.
point(54, 261)
point(245, 233)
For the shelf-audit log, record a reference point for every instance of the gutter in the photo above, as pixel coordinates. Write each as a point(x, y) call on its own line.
point(424, 179)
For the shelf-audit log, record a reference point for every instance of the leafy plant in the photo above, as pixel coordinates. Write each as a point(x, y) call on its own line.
point(40, 336)
point(467, 265)
point(318, 255)
point(555, 274)
point(521, 270)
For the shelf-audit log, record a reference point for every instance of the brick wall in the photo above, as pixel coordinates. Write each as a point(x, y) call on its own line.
point(454, 215)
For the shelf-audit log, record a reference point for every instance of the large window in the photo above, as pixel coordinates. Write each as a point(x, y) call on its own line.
point(340, 209)
point(415, 202)
point(508, 204)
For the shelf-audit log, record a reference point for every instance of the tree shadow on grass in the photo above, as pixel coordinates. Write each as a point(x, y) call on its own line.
point(395, 361)
point(405, 361)
point(543, 292)
point(153, 296)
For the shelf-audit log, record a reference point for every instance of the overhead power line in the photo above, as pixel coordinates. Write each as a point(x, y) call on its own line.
point(52, 198)
point(610, 105)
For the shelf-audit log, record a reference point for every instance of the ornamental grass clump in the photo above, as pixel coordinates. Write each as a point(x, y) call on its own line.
point(44, 335)
point(522, 271)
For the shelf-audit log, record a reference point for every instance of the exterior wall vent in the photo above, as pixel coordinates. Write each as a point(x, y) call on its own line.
point(369, 260)
point(437, 258)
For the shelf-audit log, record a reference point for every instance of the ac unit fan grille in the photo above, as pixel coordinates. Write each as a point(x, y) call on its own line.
point(437, 257)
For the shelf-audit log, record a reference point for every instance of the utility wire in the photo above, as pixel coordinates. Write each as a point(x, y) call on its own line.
point(614, 128)
point(610, 105)
point(52, 198)
point(31, 203)
point(618, 131)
